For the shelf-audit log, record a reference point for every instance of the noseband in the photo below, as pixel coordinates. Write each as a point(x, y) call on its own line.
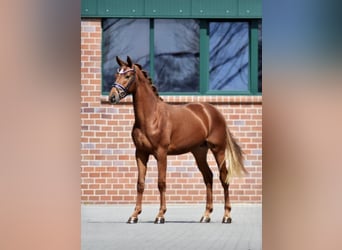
point(123, 91)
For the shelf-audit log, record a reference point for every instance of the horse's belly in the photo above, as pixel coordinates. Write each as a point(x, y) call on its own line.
point(178, 151)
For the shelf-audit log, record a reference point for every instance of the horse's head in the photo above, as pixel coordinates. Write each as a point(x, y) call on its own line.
point(125, 77)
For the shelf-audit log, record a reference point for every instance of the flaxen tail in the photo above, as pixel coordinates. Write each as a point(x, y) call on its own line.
point(234, 159)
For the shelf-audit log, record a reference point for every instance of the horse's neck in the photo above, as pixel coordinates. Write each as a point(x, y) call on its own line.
point(145, 103)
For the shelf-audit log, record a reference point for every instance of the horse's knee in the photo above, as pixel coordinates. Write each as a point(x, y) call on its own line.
point(140, 187)
point(161, 186)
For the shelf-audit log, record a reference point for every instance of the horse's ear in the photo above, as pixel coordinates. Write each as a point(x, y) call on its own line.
point(129, 62)
point(120, 62)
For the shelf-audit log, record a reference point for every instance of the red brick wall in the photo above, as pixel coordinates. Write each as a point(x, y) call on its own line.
point(108, 168)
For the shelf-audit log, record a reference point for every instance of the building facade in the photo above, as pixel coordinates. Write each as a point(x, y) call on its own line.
point(157, 34)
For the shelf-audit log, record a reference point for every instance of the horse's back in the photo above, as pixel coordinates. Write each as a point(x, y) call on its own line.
point(208, 113)
point(197, 112)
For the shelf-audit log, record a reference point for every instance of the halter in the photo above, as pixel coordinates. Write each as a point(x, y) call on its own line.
point(123, 91)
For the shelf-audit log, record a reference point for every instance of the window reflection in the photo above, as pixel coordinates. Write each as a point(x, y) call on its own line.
point(176, 56)
point(123, 37)
point(229, 56)
point(260, 57)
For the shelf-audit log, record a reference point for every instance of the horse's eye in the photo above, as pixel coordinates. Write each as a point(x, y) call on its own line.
point(126, 77)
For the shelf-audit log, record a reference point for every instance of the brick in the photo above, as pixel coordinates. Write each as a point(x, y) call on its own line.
point(244, 198)
point(106, 186)
point(99, 192)
point(88, 192)
point(94, 198)
point(98, 180)
point(105, 198)
point(106, 175)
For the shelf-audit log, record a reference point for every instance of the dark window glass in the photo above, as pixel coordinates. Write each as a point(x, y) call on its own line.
point(228, 56)
point(176, 55)
point(123, 37)
point(260, 57)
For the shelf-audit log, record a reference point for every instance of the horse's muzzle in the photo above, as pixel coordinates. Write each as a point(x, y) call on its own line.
point(114, 98)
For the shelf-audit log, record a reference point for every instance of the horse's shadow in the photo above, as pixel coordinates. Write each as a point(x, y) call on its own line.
point(142, 222)
point(172, 222)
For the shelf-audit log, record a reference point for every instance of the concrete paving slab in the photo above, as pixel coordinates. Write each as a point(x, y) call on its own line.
point(104, 227)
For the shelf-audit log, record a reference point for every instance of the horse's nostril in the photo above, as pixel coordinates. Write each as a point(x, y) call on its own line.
point(114, 99)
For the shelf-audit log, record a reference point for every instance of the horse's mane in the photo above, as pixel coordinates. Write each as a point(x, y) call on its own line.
point(154, 88)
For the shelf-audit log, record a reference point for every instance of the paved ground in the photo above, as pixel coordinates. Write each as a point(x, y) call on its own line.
point(104, 227)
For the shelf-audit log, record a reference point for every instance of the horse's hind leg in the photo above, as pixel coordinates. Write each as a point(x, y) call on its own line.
point(200, 155)
point(219, 155)
point(141, 159)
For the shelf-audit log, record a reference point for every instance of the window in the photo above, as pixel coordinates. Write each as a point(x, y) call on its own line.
point(187, 56)
point(228, 56)
point(176, 55)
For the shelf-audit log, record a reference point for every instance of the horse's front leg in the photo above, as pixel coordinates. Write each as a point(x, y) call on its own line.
point(161, 162)
point(141, 159)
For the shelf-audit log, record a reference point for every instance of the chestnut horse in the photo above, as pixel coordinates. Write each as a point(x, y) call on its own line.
point(161, 129)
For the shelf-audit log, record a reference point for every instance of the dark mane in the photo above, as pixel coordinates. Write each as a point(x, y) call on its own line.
point(154, 88)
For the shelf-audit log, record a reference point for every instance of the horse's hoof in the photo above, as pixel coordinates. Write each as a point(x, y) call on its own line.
point(132, 220)
point(205, 219)
point(227, 220)
point(159, 220)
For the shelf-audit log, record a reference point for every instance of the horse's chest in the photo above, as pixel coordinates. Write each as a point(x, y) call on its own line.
point(142, 140)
